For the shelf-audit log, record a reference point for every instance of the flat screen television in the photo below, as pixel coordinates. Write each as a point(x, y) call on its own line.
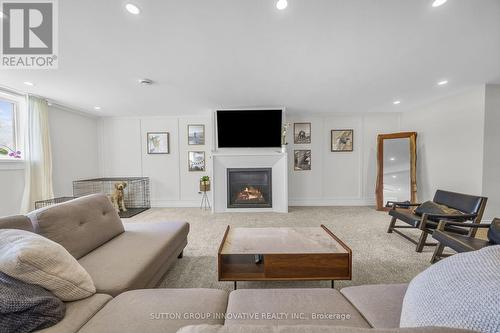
point(249, 128)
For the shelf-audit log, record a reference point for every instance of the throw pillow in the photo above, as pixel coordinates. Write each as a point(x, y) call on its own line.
point(27, 307)
point(494, 232)
point(462, 291)
point(34, 259)
point(430, 207)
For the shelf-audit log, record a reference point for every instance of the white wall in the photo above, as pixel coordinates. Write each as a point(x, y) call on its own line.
point(491, 161)
point(335, 178)
point(73, 137)
point(449, 144)
point(124, 153)
point(339, 178)
point(74, 152)
point(11, 188)
point(457, 149)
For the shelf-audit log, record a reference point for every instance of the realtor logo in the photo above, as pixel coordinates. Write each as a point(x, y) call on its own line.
point(29, 34)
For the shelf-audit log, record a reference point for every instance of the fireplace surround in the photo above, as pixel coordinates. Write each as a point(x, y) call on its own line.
point(249, 188)
point(224, 159)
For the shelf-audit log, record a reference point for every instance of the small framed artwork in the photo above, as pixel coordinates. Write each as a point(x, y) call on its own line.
point(158, 143)
point(342, 140)
point(302, 133)
point(302, 160)
point(196, 134)
point(196, 161)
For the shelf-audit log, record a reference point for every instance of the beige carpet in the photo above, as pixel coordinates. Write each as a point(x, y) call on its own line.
point(378, 257)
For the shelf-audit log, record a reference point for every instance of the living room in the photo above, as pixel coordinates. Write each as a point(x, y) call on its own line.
point(250, 166)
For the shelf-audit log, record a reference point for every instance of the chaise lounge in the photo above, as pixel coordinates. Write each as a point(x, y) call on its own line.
point(118, 256)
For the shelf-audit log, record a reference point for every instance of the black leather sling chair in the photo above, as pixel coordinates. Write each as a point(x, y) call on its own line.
point(472, 208)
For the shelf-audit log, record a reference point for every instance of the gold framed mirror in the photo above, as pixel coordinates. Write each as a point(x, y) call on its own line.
point(396, 168)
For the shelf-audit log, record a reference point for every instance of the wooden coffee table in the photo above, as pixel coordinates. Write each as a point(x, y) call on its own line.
point(283, 254)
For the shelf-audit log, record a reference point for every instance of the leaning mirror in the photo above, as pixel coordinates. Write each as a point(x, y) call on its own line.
point(396, 161)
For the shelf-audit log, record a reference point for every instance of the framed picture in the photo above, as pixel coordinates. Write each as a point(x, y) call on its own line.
point(342, 140)
point(158, 143)
point(196, 161)
point(302, 160)
point(196, 134)
point(302, 133)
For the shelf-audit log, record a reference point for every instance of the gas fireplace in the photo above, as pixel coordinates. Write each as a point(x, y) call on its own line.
point(249, 188)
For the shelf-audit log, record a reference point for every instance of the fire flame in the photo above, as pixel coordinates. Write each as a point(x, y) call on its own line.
point(250, 193)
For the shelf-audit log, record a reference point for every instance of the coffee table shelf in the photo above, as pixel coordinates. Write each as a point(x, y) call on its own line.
point(281, 254)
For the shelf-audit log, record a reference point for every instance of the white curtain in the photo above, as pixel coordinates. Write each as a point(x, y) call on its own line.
point(38, 155)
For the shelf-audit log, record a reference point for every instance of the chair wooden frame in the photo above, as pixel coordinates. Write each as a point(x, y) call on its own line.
point(426, 223)
point(438, 252)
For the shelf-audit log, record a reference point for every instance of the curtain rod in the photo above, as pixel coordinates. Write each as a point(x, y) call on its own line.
point(12, 91)
point(7, 90)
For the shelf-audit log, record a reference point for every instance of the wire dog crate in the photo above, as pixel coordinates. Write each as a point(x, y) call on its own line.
point(50, 202)
point(137, 196)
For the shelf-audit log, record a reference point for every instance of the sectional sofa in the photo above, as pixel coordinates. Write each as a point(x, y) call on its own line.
point(124, 260)
point(118, 256)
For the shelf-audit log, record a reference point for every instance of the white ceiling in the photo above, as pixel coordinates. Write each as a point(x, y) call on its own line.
point(315, 56)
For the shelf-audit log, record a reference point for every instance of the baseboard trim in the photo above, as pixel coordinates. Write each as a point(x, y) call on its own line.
point(332, 202)
point(175, 203)
point(291, 202)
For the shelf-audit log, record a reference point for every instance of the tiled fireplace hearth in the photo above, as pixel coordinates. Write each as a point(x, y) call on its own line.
point(249, 188)
point(250, 181)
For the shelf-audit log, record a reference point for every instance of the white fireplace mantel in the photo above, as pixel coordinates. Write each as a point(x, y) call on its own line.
point(250, 158)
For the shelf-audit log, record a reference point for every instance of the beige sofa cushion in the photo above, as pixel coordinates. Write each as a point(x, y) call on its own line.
point(37, 260)
point(309, 329)
point(292, 307)
point(379, 304)
point(80, 225)
point(16, 222)
point(78, 313)
point(159, 311)
point(135, 258)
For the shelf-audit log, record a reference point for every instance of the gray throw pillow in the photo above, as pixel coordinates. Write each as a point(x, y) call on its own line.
point(462, 291)
point(27, 307)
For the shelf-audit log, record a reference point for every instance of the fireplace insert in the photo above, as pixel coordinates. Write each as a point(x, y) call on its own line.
point(249, 188)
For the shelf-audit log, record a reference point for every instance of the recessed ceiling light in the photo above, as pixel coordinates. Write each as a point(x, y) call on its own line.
point(396, 102)
point(31, 84)
point(132, 9)
point(282, 4)
point(438, 3)
point(392, 159)
point(97, 108)
point(442, 83)
point(394, 176)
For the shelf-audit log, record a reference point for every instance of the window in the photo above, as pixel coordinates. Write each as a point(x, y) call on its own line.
point(8, 128)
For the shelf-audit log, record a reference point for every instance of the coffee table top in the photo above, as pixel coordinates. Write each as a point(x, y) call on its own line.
point(282, 241)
